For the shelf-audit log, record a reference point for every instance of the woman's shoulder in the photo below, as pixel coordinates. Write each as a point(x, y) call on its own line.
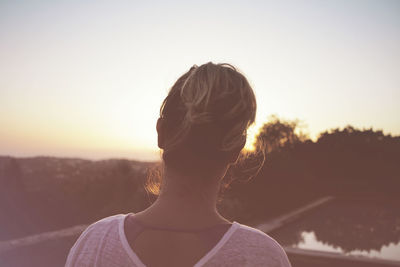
point(106, 226)
point(102, 227)
point(256, 234)
point(102, 235)
point(258, 242)
point(110, 220)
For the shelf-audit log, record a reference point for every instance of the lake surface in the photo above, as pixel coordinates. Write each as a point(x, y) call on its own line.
point(360, 227)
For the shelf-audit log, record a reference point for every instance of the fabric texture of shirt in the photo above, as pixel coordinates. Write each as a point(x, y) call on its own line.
point(104, 243)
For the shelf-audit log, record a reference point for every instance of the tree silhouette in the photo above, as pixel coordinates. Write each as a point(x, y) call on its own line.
point(342, 162)
point(277, 134)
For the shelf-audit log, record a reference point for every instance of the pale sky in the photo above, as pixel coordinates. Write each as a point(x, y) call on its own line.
point(87, 78)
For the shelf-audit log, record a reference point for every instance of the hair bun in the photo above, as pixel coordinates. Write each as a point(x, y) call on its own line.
point(215, 95)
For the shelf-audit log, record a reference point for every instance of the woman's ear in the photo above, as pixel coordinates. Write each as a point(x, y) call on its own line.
point(160, 132)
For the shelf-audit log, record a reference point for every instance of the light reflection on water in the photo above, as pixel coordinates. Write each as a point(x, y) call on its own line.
point(357, 227)
point(310, 242)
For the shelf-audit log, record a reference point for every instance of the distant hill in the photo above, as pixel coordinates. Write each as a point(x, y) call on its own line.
point(47, 193)
point(285, 171)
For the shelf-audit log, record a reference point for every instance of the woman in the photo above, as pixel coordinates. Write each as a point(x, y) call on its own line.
point(201, 131)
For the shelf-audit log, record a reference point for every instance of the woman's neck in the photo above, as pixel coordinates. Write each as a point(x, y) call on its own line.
point(183, 201)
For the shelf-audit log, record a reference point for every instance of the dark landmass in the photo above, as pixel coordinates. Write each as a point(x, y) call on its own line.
point(46, 193)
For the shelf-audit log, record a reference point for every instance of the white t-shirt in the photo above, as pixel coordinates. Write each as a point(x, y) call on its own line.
point(104, 243)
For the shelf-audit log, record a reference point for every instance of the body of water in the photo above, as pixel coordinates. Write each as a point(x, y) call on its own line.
point(369, 228)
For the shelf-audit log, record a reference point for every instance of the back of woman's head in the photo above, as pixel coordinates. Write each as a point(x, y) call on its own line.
point(204, 119)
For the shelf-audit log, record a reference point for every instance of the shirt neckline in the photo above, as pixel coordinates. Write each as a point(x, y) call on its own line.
point(134, 257)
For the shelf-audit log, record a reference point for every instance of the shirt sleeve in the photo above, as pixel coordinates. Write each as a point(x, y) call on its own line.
point(99, 245)
point(263, 250)
point(81, 252)
point(283, 260)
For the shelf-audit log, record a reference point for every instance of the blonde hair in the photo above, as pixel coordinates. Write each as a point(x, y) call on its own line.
point(205, 118)
point(212, 93)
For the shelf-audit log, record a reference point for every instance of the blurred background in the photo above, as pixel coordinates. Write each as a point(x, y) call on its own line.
point(81, 84)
